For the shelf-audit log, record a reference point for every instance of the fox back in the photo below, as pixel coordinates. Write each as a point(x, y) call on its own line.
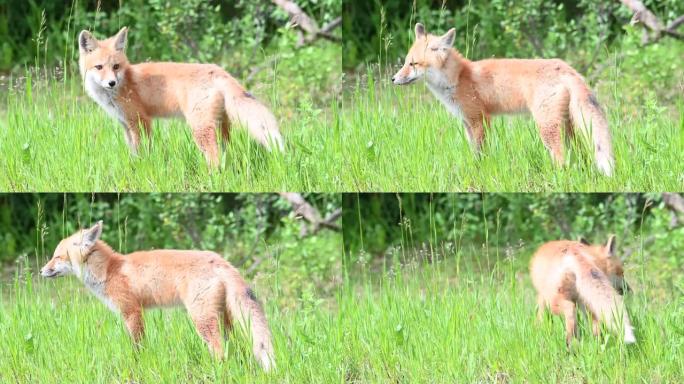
point(566, 273)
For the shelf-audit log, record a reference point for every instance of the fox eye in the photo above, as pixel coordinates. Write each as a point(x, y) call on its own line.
point(116, 66)
point(98, 67)
point(413, 63)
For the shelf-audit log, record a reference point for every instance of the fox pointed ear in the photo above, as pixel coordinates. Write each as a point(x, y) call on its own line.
point(420, 31)
point(91, 235)
point(582, 240)
point(449, 37)
point(120, 39)
point(86, 42)
point(610, 245)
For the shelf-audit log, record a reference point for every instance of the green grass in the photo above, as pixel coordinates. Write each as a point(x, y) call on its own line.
point(53, 137)
point(57, 332)
point(402, 139)
point(469, 317)
point(418, 323)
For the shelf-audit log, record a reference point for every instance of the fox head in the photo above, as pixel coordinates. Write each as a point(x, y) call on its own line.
point(102, 63)
point(72, 253)
point(428, 53)
point(606, 258)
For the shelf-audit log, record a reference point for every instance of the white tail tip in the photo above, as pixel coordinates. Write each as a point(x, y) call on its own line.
point(629, 336)
point(605, 166)
point(266, 361)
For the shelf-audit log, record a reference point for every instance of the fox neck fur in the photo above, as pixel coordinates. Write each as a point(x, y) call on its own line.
point(444, 82)
point(99, 265)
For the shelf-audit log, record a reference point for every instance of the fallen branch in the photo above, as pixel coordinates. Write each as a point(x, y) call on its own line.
point(308, 25)
point(654, 29)
point(309, 213)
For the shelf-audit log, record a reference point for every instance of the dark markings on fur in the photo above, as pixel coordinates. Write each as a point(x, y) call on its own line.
point(250, 293)
point(598, 147)
point(593, 101)
point(595, 274)
point(248, 95)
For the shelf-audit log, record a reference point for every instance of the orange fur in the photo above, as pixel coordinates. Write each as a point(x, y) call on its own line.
point(202, 93)
point(552, 91)
point(566, 273)
point(208, 286)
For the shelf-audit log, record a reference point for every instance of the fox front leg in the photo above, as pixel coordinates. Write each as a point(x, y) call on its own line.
point(132, 132)
point(135, 326)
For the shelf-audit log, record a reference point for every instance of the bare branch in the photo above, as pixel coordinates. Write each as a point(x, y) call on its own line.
point(644, 16)
point(305, 23)
point(303, 40)
point(309, 213)
point(675, 23)
point(297, 16)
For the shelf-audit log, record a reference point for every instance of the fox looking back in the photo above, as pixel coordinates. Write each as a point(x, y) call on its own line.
point(202, 93)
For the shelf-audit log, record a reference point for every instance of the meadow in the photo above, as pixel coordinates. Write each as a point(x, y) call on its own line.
point(469, 317)
point(55, 138)
point(403, 139)
point(418, 317)
point(56, 331)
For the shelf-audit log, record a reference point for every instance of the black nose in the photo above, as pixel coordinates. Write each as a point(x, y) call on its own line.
point(112, 83)
point(393, 79)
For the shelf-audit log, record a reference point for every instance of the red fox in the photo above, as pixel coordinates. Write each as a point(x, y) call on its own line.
point(202, 93)
point(202, 281)
point(475, 90)
point(566, 273)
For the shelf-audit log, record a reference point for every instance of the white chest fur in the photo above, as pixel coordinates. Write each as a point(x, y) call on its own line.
point(104, 97)
point(97, 287)
point(443, 90)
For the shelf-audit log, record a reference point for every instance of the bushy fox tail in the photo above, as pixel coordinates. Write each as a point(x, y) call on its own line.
point(243, 107)
point(244, 308)
point(598, 295)
point(587, 116)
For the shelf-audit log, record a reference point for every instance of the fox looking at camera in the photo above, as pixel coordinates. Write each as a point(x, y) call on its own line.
point(209, 287)
point(553, 92)
point(202, 93)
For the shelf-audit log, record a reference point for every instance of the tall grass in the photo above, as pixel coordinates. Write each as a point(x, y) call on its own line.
point(470, 317)
point(403, 139)
point(414, 322)
point(54, 138)
point(56, 332)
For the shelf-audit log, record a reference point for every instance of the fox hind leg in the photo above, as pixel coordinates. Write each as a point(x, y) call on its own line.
point(595, 325)
point(541, 308)
point(225, 129)
point(569, 310)
point(227, 323)
point(207, 324)
point(204, 133)
point(551, 116)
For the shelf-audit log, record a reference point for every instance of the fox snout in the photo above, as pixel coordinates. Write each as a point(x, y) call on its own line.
point(404, 77)
point(109, 83)
point(48, 272)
